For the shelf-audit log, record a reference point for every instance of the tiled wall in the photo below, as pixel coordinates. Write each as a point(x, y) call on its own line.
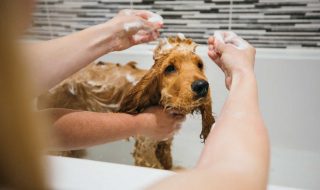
point(265, 23)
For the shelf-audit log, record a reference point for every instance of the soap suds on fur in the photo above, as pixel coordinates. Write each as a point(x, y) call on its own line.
point(72, 89)
point(93, 83)
point(131, 79)
point(181, 36)
point(167, 45)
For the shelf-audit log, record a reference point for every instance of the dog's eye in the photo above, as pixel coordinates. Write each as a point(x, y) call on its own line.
point(170, 69)
point(200, 65)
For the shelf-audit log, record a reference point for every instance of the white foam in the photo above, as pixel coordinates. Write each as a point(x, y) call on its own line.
point(93, 83)
point(137, 37)
point(231, 38)
point(155, 18)
point(167, 45)
point(132, 25)
point(130, 78)
point(242, 46)
point(72, 89)
point(181, 36)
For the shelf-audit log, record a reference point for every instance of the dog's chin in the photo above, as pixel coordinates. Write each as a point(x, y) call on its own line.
point(182, 110)
point(182, 107)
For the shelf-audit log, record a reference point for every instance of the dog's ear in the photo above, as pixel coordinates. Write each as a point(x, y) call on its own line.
point(207, 119)
point(144, 94)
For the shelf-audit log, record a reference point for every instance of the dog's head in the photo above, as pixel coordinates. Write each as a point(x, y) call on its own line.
point(176, 81)
point(183, 85)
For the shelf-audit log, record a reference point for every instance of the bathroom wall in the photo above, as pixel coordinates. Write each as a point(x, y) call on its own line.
point(265, 23)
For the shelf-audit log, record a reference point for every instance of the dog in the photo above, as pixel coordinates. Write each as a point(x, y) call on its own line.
point(176, 82)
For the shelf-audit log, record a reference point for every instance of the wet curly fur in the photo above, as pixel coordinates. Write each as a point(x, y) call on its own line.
point(150, 88)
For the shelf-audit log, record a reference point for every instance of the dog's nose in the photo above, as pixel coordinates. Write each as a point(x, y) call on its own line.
point(200, 87)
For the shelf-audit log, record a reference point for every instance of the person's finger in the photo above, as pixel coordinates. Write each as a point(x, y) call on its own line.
point(211, 40)
point(211, 47)
point(219, 44)
point(213, 55)
point(215, 58)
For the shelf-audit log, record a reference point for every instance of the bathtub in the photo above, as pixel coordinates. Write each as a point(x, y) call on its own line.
point(289, 89)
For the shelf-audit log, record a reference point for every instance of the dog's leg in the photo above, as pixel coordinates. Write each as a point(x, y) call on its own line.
point(145, 153)
point(163, 153)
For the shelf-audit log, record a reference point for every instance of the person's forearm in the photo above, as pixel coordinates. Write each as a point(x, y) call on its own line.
point(53, 61)
point(81, 129)
point(239, 140)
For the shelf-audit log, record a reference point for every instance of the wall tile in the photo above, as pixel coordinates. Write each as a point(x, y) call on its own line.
point(265, 23)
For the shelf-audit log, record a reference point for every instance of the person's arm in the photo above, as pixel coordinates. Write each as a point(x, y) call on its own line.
point(53, 61)
point(80, 129)
point(236, 153)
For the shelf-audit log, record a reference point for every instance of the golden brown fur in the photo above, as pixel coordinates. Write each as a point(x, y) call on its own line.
point(112, 84)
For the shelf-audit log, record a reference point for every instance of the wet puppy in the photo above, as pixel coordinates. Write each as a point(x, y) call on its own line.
point(176, 81)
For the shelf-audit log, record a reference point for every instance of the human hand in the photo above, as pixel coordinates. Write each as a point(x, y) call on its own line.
point(158, 124)
point(232, 54)
point(132, 27)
